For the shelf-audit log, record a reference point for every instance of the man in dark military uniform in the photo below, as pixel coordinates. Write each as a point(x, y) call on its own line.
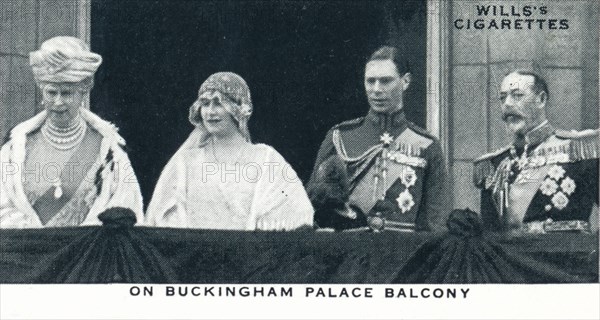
point(546, 179)
point(380, 170)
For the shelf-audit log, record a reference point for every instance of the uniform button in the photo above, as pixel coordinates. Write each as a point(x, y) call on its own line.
point(548, 207)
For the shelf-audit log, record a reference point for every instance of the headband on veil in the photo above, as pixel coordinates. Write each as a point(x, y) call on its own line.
point(232, 87)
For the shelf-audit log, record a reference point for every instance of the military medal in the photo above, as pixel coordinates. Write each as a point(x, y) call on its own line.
point(381, 165)
point(558, 186)
point(58, 191)
point(377, 221)
point(409, 177)
point(376, 179)
point(405, 201)
point(386, 139)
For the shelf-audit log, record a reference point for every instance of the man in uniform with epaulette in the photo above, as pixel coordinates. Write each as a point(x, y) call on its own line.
point(380, 170)
point(546, 179)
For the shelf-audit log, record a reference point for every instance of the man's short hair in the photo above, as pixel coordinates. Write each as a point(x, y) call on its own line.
point(539, 84)
point(392, 53)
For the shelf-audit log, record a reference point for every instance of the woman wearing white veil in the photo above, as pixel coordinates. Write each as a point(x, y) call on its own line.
point(219, 179)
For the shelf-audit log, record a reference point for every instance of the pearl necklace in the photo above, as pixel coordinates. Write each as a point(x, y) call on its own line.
point(64, 138)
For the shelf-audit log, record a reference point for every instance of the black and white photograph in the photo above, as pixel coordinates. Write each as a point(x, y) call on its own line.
point(408, 159)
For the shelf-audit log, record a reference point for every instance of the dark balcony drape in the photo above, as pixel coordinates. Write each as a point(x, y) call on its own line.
point(120, 252)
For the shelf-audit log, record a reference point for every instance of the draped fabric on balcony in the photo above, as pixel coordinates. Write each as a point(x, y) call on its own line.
point(120, 252)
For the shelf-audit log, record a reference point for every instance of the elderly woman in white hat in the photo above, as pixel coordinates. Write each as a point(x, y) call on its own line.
point(219, 179)
point(64, 166)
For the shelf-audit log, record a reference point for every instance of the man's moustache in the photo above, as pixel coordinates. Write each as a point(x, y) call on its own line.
point(505, 115)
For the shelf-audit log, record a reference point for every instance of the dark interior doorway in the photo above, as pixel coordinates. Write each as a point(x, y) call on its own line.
point(303, 60)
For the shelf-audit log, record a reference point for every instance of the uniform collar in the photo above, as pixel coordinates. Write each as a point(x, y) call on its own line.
point(387, 121)
point(539, 134)
point(534, 137)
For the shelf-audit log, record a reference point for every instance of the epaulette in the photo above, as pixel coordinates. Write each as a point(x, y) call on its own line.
point(583, 145)
point(491, 155)
point(574, 134)
point(421, 131)
point(349, 124)
point(483, 166)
